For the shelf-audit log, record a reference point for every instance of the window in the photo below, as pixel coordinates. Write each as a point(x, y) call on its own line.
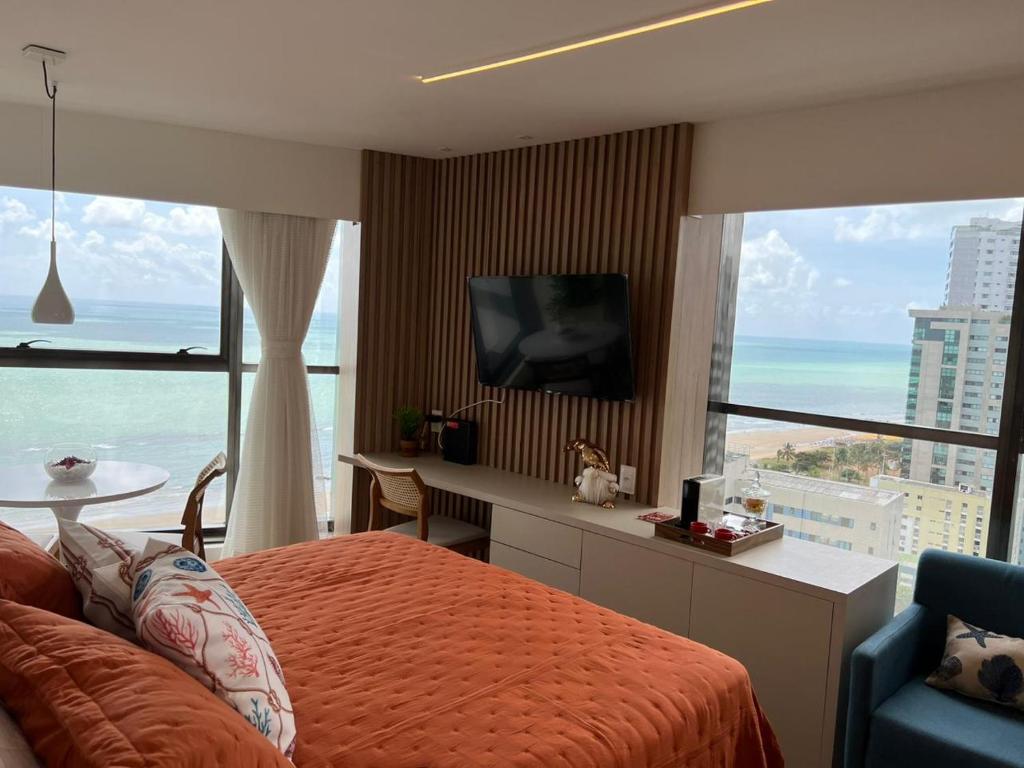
point(143, 276)
point(147, 280)
point(174, 419)
point(843, 331)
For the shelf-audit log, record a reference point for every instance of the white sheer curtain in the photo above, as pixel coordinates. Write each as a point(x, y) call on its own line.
point(280, 262)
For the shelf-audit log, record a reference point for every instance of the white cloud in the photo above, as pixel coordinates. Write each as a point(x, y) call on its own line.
point(146, 241)
point(918, 221)
point(842, 282)
point(888, 223)
point(93, 239)
point(872, 310)
point(188, 221)
point(113, 211)
point(1016, 210)
point(770, 265)
point(41, 230)
point(13, 211)
point(153, 259)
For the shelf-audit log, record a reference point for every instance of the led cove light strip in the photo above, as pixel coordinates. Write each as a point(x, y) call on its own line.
point(654, 26)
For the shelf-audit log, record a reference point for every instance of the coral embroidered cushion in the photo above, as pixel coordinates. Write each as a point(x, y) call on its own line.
point(29, 575)
point(101, 565)
point(86, 699)
point(981, 664)
point(186, 612)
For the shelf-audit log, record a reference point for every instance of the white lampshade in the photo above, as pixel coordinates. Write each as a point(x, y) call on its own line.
point(52, 305)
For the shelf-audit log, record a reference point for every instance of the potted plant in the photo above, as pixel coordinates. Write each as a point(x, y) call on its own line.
point(409, 422)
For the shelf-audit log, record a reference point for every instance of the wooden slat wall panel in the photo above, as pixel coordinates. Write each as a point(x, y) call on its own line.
point(602, 204)
point(397, 236)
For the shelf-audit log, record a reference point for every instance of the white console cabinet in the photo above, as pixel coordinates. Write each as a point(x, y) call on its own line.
point(791, 611)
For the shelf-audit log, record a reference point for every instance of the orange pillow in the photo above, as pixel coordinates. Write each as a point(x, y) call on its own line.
point(87, 699)
point(29, 575)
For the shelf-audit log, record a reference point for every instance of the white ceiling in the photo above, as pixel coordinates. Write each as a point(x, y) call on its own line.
point(342, 72)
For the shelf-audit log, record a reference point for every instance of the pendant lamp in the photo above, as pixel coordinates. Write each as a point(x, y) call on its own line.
point(52, 305)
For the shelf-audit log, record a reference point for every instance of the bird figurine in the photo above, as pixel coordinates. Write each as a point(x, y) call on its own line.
point(591, 455)
point(596, 484)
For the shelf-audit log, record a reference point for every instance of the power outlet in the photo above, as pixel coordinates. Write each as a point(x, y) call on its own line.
point(435, 424)
point(627, 479)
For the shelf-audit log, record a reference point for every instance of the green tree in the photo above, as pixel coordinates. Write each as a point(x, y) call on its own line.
point(851, 475)
point(786, 453)
point(811, 462)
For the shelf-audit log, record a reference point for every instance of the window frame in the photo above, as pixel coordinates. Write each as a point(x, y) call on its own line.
point(1008, 442)
point(228, 359)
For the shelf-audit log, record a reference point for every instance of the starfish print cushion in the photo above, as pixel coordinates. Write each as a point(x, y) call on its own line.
point(101, 567)
point(981, 664)
point(187, 613)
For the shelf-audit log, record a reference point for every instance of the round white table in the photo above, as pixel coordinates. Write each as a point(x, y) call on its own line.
point(28, 486)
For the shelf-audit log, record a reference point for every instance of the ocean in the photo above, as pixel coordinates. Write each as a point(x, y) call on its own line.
point(173, 419)
point(836, 378)
point(178, 420)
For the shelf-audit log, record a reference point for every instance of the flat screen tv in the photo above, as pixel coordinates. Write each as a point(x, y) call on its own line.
point(566, 334)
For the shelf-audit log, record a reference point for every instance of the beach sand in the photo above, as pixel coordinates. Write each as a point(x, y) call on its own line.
point(764, 444)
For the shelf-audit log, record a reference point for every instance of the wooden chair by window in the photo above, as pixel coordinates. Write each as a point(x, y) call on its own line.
point(403, 491)
point(192, 519)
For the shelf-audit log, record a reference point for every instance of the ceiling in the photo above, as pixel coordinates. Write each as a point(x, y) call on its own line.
point(343, 73)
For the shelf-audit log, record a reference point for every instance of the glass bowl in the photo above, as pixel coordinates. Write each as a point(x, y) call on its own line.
point(70, 462)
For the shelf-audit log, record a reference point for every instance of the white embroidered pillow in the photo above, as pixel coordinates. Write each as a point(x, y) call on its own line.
point(187, 613)
point(101, 566)
point(981, 664)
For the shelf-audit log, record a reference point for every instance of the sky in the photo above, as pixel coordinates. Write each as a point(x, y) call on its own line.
point(111, 248)
point(841, 273)
point(849, 274)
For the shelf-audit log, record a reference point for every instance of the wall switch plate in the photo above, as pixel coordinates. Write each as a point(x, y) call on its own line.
point(627, 479)
point(435, 424)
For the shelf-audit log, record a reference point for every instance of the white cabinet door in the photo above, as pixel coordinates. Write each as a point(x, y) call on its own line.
point(782, 638)
point(636, 581)
point(537, 568)
point(530, 533)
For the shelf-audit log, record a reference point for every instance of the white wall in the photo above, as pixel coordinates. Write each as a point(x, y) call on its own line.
point(962, 142)
point(154, 161)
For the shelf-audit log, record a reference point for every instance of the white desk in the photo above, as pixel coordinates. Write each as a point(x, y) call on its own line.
point(790, 610)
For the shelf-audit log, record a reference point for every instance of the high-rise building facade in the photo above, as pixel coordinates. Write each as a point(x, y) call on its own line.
point(939, 516)
point(983, 264)
point(957, 371)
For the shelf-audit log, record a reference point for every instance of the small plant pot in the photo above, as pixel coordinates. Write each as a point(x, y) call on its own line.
point(410, 449)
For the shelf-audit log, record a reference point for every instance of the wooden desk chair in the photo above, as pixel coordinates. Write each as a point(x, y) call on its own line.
point(192, 519)
point(403, 491)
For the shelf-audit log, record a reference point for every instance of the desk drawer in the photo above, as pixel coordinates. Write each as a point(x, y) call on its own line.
point(553, 541)
point(537, 568)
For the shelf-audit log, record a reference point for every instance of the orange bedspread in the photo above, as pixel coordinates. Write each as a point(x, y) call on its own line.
point(399, 654)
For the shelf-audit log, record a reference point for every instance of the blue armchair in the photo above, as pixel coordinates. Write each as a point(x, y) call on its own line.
point(893, 718)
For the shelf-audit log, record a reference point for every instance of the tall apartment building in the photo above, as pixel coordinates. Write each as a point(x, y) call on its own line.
point(939, 516)
point(983, 264)
point(942, 516)
point(957, 370)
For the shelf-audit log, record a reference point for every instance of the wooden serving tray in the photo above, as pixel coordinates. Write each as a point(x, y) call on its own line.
point(669, 530)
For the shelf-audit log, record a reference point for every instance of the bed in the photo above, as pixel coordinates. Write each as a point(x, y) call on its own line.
point(400, 654)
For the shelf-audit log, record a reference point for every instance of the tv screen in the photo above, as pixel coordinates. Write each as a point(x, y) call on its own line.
point(556, 333)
